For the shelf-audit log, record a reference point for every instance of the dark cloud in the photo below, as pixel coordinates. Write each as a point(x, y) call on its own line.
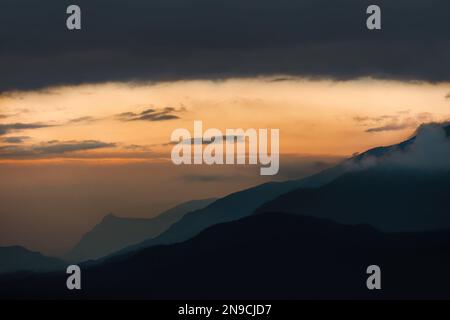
point(160, 40)
point(19, 139)
point(447, 96)
point(150, 115)
point(51, 148)
point(10, 127)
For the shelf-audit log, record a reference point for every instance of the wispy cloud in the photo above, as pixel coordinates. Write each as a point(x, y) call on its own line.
point(10, 127)
point(366, 119)
point(205, 141)
point(51, 148)
point(392, 127)
point(85, 119)
point(19, 112)
point(400, 121)
point(151, 114)
point(19, 139)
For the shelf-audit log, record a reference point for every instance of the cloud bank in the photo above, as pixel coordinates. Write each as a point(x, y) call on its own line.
point(162, 40)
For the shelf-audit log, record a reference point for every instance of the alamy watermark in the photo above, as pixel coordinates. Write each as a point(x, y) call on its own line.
point(234, 146)
point(373, 21)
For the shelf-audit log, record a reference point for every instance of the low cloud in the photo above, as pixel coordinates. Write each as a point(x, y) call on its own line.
point(428, 149)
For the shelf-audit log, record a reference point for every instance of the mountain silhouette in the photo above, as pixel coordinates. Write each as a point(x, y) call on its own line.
point(16, 258)
point(114, 233)
point(244, 203)
point(265, 256)
point(403, 188)
point(229, 208)
point(389, 199)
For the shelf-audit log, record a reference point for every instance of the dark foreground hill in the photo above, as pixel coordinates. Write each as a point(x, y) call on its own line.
point(271, 255)
point(389, 199)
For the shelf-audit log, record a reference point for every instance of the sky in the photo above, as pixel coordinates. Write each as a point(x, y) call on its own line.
point(86, 116)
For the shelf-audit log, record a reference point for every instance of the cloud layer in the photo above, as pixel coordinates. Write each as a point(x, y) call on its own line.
point(176, 39)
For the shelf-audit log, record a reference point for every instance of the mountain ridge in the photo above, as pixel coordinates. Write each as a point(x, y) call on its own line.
point(230, 208)
point(268, 256)
point(20, 259)
point(390, 200)
point(113, 233)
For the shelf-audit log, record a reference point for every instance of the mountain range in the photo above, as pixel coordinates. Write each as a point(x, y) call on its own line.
point(266, 256)
point(114, 233)
point(246, 202)
point(389, 199)
point(308, 238)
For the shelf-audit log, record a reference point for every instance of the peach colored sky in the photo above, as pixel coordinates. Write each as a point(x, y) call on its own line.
point(315, 117)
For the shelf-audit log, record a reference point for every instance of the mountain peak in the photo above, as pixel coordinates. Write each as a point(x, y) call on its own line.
point(110, 216)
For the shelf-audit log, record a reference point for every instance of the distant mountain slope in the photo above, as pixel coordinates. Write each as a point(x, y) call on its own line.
point(267, 256)
point(114, 233)
point(15, 258)
point(389, 199)
point(229, 208)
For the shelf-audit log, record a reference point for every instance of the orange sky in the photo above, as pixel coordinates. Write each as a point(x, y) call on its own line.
point(314, 117)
